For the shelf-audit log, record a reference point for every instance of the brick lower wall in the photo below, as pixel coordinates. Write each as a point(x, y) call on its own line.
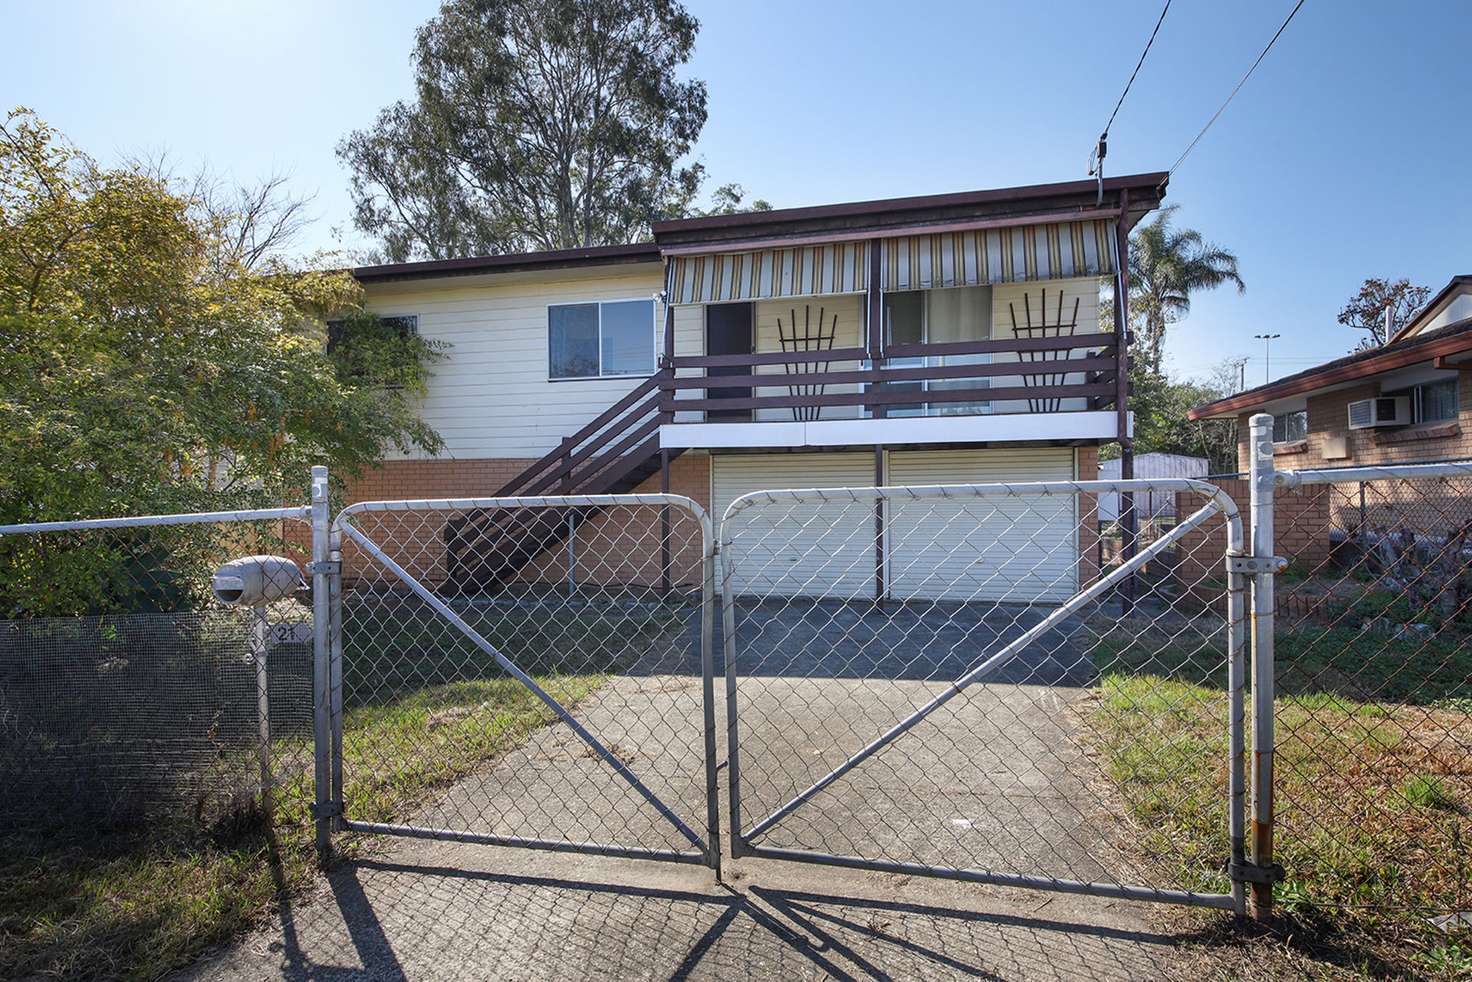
point(618, 546)
point(1301, 525)
point(1328, 417)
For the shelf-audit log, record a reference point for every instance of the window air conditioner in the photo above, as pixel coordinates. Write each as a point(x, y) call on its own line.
point(1384, 411)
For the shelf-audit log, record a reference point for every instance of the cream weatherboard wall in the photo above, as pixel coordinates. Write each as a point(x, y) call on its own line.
point(491, 396)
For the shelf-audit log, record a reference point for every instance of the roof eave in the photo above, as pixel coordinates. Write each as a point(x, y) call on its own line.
point(1453, 338)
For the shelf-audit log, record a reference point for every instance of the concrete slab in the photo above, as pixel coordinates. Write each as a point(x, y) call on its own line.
point(999, 779)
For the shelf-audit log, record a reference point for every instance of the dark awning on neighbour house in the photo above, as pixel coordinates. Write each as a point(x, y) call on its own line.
point(1447, 342)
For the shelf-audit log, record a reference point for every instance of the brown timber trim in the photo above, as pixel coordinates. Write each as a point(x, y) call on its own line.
point(670, 404)
point(879, 375)
point(1079, 342)
point(879, 528)
point(770, 358)
point(603, 419)
point(1448, 340)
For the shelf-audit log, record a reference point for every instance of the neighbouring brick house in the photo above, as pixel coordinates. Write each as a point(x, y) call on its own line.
point(1407, 402)
point(1412, 398)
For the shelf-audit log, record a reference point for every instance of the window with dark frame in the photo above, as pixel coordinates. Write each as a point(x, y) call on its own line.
point(1290, 427)
point(601, 339)
point(1431, 402)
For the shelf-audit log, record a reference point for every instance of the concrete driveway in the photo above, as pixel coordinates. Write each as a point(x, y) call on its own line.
point(999, 778)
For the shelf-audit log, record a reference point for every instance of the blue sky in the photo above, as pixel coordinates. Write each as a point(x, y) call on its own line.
point(1345, 156)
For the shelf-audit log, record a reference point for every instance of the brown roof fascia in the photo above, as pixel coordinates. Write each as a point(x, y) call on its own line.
point(1050, 201)
point(639, 252)
point(1448, 340)
point(1430, 305)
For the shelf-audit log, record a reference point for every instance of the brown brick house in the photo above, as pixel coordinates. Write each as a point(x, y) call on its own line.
point(1409, 401)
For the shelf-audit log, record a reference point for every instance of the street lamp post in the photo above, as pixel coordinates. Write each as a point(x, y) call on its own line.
point(1267, 356)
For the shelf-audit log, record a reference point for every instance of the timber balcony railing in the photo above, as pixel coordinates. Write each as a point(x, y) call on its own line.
point(1050, 370)
point(620, 448)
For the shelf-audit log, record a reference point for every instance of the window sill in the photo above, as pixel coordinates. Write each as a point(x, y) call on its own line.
point(1290, 447)
point(602, 378)
point(1423, 431)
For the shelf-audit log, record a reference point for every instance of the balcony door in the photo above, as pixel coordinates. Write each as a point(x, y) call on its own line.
point(728, 331)
point(938, 317)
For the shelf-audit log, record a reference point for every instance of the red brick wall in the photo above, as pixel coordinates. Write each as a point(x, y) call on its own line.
point(1301, 523)
point(620, 546)
point(1328, 415)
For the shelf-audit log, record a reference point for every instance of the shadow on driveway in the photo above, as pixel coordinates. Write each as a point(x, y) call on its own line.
point(394, 920)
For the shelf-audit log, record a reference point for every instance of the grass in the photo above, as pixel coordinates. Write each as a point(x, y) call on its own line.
point(136, 903)
point(1374, 799)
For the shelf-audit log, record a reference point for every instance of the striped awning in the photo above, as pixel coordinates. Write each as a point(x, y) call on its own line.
point(801, 271)
point(931, 260)
point(977, 257)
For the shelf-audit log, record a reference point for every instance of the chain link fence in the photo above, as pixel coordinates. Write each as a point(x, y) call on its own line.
point(528, 672)
point(944, 681)
point(1374, 686)
point(129, 692)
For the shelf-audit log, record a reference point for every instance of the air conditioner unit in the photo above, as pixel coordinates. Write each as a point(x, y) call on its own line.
point(1384, 411)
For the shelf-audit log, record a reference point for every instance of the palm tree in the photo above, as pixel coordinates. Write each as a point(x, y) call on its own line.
point(1168, 265)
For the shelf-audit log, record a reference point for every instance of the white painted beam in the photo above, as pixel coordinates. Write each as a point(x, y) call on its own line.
point(1013, 427)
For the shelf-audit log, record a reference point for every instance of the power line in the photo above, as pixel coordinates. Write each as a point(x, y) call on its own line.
point(1220, 109)
point(1131, 82)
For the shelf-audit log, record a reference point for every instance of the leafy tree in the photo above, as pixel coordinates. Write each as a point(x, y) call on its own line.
point(1160, 404)
point(1167, 266)
point(152, 363)
point(1366, 309)
point(730, 199)
point(538, 124)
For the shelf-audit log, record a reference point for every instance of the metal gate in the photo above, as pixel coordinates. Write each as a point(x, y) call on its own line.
point(899, 699)
point(538, 669)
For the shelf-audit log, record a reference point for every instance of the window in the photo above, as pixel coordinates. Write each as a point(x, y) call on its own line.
point(937, 317)
point(1290, 427)
point(406, 324)
point(1431, 402)
point(600, 340)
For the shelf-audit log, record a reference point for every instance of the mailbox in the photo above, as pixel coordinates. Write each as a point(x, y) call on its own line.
point(254, 581)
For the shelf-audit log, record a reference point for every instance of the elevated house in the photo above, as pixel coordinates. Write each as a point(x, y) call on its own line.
point(941, 339)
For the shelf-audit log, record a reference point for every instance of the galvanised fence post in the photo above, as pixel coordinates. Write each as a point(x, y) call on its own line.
point(321, 662)
point(1262, 479)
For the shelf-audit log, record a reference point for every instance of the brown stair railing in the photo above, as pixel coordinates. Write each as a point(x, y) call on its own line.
point(611, 454)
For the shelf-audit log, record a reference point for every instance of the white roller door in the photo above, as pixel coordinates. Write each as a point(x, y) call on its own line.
point(804, 549)
point(1010, 549)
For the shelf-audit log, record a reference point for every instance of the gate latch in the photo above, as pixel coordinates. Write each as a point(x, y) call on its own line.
point(330, 809)
point(331, 567)
point(1254, 565)
point(1253, 873)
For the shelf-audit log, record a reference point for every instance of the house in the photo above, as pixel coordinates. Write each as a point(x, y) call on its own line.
point(1409, 401)
point(927, 340)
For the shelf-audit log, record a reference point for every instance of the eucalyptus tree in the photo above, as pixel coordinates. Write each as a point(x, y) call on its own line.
point(536, 124)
